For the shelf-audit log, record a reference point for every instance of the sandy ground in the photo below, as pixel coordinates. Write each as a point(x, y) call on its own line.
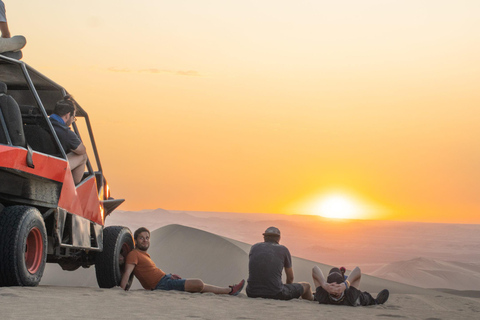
point(46, 302)
point(221, 260)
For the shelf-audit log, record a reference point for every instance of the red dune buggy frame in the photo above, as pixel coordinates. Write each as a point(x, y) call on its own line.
point(44, 216)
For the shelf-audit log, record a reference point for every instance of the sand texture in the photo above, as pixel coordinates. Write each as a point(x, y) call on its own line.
point(222, 260)
point(46, 302)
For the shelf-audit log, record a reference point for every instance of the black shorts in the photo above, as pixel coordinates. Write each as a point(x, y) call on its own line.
point(288, 292)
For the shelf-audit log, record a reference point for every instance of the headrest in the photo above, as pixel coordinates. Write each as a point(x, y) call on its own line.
point(3, 88)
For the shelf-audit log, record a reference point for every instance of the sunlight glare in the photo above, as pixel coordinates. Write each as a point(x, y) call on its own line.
point(339, 207)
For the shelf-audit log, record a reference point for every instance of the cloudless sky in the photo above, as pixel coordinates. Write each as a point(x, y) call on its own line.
point(262, 106)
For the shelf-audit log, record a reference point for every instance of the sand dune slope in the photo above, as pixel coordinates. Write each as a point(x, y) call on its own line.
point(429, 273)
point(189, 252)
point(347, 242)
point(219, 260)
point(193, 253)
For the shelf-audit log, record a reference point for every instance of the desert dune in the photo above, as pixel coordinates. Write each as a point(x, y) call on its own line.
point(194, 253)
point(372, 245)
point(218, 260)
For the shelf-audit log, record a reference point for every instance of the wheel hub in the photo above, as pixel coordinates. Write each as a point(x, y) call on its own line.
point(33, 250)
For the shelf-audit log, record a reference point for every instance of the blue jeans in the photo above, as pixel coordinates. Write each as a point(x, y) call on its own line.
point(167, 283)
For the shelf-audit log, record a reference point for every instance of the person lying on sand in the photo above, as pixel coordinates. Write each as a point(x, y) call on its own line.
point(338, 290)
point(267, 260)
point(139, 263)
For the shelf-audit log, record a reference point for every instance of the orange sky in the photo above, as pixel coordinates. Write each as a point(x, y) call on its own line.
point(261, 106)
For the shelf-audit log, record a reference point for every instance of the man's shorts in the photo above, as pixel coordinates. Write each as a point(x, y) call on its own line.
point(167, 283)
point(288, 292)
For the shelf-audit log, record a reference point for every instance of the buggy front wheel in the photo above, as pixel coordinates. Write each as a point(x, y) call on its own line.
point(110, 263)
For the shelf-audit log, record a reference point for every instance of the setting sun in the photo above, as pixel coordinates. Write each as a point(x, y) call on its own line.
point(241, 122)
point(338, 205)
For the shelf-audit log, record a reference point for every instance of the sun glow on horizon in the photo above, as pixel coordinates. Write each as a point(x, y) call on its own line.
point(245, 123)
point(338, 206)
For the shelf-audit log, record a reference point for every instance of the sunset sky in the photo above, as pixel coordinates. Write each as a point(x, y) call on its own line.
point(270, 106)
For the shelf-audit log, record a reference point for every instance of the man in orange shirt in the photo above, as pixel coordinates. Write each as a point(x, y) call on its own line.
point(152, 278)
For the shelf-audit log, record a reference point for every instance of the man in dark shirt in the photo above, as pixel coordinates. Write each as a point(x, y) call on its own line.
point(340, 291)
point(62, 118)
point(267, 260)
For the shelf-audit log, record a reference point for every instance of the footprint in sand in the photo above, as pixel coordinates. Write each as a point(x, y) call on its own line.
point(9, 295)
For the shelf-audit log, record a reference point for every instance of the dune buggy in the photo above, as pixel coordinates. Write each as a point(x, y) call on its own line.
point(44, 216)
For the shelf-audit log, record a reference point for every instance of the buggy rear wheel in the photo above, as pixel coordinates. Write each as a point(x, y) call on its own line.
point(23, 243)
point(110, 263)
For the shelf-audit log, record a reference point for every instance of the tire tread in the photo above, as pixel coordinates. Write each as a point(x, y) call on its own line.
point(11, 219)
point(105, 269)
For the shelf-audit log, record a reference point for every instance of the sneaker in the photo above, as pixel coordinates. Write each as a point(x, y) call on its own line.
point(382, 297)
point(236, 288)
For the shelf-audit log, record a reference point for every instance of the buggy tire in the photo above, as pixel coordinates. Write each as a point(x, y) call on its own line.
point(110, 263)
point(23, 246)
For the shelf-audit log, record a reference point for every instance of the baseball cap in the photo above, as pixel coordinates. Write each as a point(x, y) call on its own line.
point(272, 231)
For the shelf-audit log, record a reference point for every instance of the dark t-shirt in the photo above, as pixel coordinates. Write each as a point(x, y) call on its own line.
point(67, 137)
point(266, 263)
point(352, 297)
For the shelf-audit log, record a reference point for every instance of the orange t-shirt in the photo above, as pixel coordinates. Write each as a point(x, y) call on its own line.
point(145, 269)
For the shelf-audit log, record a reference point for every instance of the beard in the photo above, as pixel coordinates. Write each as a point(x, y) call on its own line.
point(142, 247)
